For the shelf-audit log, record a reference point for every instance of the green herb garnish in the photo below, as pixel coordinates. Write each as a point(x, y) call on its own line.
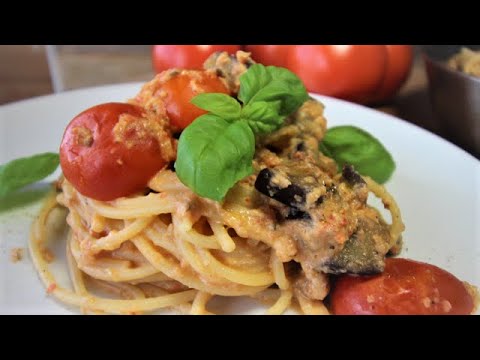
point(217, 149)
point(25, 171)
point(351, 145)
point(214, 154)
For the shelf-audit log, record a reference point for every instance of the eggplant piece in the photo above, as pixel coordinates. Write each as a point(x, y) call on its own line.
point(357, 257)
point(291, 195)
point(360, 254)
point(295, 214)
point(351, 176)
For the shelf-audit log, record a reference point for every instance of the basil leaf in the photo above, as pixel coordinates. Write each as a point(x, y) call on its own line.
point(19, 199)
point(272, 83)
point(217, 149)
point(222, 105)
point(296, 92)
point(351, 145)
point(24, 171)
point(263, 117)
point(213, 155)
point(252, 82)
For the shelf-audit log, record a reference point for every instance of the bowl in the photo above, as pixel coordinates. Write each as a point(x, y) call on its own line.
point(454, 96)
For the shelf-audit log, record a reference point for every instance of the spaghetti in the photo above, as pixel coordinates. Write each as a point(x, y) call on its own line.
point(157, 255)
point(275, 236)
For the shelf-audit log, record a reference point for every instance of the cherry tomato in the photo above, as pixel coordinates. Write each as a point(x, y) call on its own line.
point(349, 72)
point(185, 56)
point(180, 89)
point(270, 54)
point(406, 287)
point(112, 150)
point(399, 62)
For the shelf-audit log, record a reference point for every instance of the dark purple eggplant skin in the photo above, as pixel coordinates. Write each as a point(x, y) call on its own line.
point(351, 176)
point(293, 195)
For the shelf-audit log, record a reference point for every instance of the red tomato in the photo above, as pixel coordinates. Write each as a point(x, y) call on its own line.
point(406, 287)
point(270, 54)
point(180, 89)
point(399, 62)
point(360, 73)
point(112, 150)
point(349, 72)
point(185, 56)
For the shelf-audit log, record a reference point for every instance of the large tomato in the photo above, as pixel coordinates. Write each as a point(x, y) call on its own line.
point(349, 72)
point(406, 287)
point(112, 150)
point(185, 56)
point(360, 73)
point(399, 62)
point(270, 54)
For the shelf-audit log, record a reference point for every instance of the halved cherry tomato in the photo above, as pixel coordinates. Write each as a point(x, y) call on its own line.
point(185, 56)
point(406, 287)
point(112, 150)
point(181, 88)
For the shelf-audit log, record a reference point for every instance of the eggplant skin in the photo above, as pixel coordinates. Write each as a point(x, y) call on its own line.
point(295, 214)
point(351, 176)
point(353, 260)
point(293, 195)
point(361, 253)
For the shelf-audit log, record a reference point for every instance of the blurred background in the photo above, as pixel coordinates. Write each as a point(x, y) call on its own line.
point(32, 70)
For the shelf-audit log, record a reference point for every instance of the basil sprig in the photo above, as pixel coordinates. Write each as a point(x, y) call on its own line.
point(25, 171)
point(351, 145)
point(217, 149)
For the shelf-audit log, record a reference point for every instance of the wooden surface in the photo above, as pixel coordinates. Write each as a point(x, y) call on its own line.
point(24, 73)
point(91, 69)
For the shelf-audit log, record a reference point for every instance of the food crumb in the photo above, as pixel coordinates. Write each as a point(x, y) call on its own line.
point(446, 306)
point(51, 288)
point(427, 302)
point(16, 254)
point(47, 255)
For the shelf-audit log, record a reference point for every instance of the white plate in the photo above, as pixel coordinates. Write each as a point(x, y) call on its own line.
point(436, 185)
